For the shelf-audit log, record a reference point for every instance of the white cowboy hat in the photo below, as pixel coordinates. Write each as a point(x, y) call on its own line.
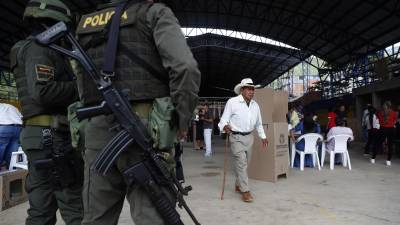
point(246, 82)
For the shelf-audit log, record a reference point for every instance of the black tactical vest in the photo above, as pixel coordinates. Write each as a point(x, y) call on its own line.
point(134, 36)
point(30, 106)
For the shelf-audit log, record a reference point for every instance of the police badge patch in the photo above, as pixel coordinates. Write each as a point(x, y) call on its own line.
point(97, 21)
point(44, 72)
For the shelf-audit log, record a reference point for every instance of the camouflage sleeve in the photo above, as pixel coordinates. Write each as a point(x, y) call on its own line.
point(177, 59)
point(42, 77)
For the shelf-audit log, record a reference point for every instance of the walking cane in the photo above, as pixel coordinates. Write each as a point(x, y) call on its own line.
point(225, 165)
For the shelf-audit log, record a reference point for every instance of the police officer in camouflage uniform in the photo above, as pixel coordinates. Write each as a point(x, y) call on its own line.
point(46, 87)
point(151, 32)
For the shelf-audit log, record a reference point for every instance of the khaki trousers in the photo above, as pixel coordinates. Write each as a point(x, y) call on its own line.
point(241, 152)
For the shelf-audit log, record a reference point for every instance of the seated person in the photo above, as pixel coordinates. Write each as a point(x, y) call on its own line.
point(293, 116)
point(307, 126)
point(318, 126)
point(338, 129)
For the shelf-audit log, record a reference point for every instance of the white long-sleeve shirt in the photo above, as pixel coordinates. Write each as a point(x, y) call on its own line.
point(375, 122)
point(242, 118)
point(335, 131)
point(9, 115)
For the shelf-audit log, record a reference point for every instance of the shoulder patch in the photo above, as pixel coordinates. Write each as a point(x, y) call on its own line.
point(95, 22)
point(44, 72)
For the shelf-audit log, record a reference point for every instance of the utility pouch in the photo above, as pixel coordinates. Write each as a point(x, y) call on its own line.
point(77, 128)
point(162, 125)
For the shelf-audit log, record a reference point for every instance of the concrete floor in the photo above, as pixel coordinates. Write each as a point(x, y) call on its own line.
point(367, 195)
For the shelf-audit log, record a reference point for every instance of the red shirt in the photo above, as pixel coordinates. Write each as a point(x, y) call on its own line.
point(391, 120)
point(332, 119)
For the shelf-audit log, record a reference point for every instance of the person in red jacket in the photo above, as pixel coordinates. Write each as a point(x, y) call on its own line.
point(331, 119)
point(387, 120)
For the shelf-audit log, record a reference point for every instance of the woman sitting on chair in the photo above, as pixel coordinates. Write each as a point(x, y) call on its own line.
point(307, 126)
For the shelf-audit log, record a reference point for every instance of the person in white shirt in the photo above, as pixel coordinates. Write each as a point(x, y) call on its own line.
point(364, 122)
point(10, 128)
point(241, 116)
point(338, 129)
point(371, 123)
point(208, 121)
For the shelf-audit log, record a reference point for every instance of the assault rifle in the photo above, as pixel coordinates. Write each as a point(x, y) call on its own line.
point(151, 173)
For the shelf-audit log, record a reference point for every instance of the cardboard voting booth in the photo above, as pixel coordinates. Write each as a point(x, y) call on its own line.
point(273, 162)
point(273, 105)
point(264, 98)
point(268, 164)
point(280, 106)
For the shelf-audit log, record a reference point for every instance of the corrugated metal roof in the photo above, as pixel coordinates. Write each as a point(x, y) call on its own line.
point(336, 31)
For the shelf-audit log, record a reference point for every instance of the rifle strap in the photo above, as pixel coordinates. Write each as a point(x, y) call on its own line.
point(112, 42)
point(111, 29)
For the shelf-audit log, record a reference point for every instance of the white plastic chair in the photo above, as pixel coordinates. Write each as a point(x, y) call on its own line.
point(339, 148)
point(16, 162)
point(310, 148)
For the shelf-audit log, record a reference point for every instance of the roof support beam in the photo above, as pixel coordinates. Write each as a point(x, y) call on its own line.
point(391, 29)
point(301, 23)
point(258, 31)
point(354, 36)
point(242, 8)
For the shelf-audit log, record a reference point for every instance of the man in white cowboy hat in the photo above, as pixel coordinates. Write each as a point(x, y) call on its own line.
point(241, 116)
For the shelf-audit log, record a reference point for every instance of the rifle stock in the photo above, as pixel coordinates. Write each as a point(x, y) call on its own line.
point(92, 111)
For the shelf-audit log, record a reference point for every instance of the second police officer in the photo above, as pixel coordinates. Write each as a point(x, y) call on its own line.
point(45, 88)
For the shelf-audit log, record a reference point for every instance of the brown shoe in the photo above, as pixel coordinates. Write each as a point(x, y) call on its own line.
point(237, 189)
point(246, 197)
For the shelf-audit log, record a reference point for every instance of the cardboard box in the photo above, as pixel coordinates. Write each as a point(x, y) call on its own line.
point(265, 99)
point(268, 164)
point(280, 107)
point(12, 188)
